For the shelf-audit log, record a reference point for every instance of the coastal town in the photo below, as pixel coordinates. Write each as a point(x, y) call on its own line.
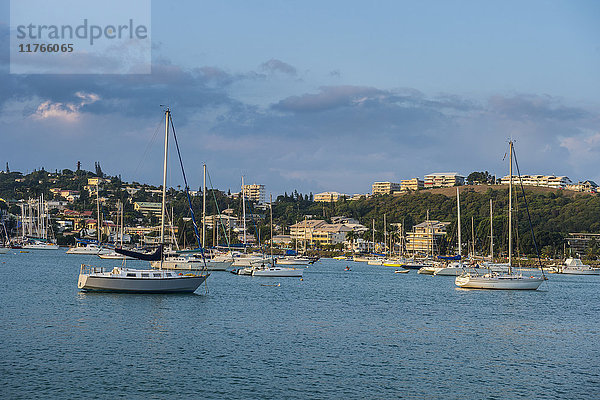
point(68, 205)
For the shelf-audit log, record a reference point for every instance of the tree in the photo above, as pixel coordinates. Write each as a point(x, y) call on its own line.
point(479, 177)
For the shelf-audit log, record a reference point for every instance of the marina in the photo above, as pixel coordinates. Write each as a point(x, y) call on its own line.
point(365, 333)
point(242, 200)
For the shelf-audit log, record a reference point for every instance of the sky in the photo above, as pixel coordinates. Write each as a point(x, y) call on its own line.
point(325, 95)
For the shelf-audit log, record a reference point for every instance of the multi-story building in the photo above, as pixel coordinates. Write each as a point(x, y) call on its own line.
point(254, 192)
point(579, 242)
point(385, 187)
point(146, 207)
point(327, 197)
point(330, 234)
point(317, 231)
point(223, 220)
point(412, 184)
point(426, 237)
point(586, 186)
point(443, 179)
point(551, 181)
point(303, 230)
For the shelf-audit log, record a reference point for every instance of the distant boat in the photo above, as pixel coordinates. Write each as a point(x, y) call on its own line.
point(393, 263)
point(277, 272)
point(271, 269)
point(83, 247)
point(126, 280)
point(34, 244)
point(452, 269)
point(402, 271)
point(574, 266)
point(501, 280)
point(292, 261)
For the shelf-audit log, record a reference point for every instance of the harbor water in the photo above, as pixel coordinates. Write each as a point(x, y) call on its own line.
point(366, 333)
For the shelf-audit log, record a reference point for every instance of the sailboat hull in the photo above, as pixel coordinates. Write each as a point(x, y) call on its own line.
point(500, 282)
point(278, 272)
point(41, 246)
point(449, 271)
point(187, 284)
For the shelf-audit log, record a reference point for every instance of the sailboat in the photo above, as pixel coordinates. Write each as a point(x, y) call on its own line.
point(455, 268)
point(36, 219)
point(269, 269)
point(4, 248)
point(126, 280)
point(501, 280)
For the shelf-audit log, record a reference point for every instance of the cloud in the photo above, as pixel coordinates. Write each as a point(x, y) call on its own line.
point(338, 137)
point(329, 97)
point(274, 66)
point(68, 112)
point(523, 107)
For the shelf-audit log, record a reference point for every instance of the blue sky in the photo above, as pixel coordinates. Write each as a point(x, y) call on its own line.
point(328, 95)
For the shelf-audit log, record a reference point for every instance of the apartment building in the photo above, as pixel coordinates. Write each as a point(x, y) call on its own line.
point(385, 187)
point(147, 208)
point(586, 186)
point(317, 231)
point(551, 181)
point(254, 192)
point(327, 197)
point(443, 179)
point(412, 184)
point(426, 237)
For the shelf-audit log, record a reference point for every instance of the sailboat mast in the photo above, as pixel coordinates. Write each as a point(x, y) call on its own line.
point(459, 228)
point(271, 210)
point(472, 236)
point(244, 212)
point(384, 236)
point(373, 235)
point(122, 223)
point(203, 206)
point(98, 212)
point(491, 232)
point(164, 187)
point(510, 145)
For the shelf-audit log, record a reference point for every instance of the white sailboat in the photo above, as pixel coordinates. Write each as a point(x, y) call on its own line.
point(126, 280)
point(270, 269)
point(501, 280)
point(456, 268)
point(36, 226)
point(4, 248)
point(84, 247)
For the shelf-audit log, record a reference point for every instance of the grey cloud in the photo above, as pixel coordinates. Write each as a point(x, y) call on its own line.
point(524, 107)
point(274, 65)
point(329, 97)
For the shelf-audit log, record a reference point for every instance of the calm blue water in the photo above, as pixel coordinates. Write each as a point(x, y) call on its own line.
point(367, 333)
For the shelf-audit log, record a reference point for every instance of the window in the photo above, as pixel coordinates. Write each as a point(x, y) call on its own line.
point(130, 274)
point(156, 275)
point(144, 275)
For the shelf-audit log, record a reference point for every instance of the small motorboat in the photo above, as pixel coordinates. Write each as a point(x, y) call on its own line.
point(401, 271)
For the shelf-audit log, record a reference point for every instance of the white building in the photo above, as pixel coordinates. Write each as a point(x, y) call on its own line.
point(254, 192)
point(551, 181)
point(385, 187)
point(328, 197)
point(412, 184)
point(443, 179)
